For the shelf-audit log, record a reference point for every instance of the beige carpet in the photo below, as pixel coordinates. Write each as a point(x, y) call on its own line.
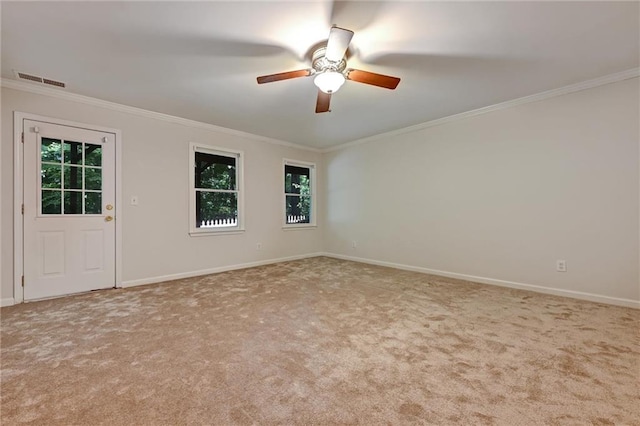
point(319, 341)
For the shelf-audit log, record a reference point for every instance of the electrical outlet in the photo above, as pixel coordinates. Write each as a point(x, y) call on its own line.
point(354, 245)
point(561, 265)
point(258, 246)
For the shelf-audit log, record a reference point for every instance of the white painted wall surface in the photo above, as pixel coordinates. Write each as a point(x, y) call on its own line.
point(156, 239)
point(499, 196)
point(502, 195)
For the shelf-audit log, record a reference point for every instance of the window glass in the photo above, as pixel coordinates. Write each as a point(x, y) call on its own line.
point(296, 179)
point(298, 209)
point(92, 155)
point(92, 178)
point(70, 177)
point(299, 197)
point(50, 150)
point(215, 171)
point(72, 202)
point(93, 203)
point(73, 153)
point(51, 202)
point(216, 209)
point(216, 193)
point(51, 175)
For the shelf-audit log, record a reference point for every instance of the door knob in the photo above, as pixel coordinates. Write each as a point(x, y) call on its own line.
point(108, 218)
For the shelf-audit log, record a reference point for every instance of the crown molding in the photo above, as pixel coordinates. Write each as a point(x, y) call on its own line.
point(87, 100)
point(588, 84)
point(65, 95)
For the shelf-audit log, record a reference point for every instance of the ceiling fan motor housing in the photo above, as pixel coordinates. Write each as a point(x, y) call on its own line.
point(320, 63)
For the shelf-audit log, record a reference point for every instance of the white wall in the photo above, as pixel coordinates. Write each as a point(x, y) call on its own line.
point(498, 197)
point(155, 168)
point(502, 196)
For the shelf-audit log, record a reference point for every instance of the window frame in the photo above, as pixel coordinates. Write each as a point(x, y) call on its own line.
point(312, 178)
point(225, 152)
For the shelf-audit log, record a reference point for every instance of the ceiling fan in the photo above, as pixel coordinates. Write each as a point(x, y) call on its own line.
point(329, 66)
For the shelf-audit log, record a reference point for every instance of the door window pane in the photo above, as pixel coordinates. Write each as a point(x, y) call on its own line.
point(51, 202)
point(50, 150)
point(72, 177)
point(92, 178)
point(92, 155)
point(92, 203)
point(72, 202)
point(73, 152)
point(51, 176)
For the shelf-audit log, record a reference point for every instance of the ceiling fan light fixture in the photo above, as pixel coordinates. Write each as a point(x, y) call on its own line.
point(329, 81)
point(329, 69)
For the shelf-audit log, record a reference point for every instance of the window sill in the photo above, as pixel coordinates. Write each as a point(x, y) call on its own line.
point(212, 233)
point(298, 227)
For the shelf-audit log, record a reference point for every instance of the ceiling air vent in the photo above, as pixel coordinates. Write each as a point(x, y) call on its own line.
point(41, 80)
point(53, 83)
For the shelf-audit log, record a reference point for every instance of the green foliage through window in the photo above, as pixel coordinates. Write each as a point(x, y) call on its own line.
point(297, 187)
point(216, 190)
point(70, 177)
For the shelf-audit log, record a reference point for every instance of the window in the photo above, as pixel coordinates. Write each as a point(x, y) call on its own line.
point(70, 177)
point(299, 194)
point(216, 190)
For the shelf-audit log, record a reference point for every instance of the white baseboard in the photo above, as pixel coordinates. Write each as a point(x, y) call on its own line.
point(510, 284)
point(7, 302)
point(630, 303)
point(162, 278)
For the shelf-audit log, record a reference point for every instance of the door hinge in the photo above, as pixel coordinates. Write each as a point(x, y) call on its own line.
point(23, 281)
point(22, 137)
point(22, 209)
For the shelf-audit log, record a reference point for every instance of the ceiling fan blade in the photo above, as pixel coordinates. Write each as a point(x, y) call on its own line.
point(372, 78)
point(284, 76)
point(338, 42)
point(322, 104)
point(354, 14)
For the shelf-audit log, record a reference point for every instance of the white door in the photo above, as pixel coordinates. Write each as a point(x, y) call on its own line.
point(69, 205)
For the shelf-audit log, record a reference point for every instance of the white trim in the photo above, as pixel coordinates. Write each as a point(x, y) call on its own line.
point(87, 100)
point(239, 156)
point(298, 227)
point(119, 206)
point(588, 84)
point(7, 302)
point(18, 294)
point(1, 224)
point(163, 278)
point(209, 233)
point(18, 180)
point(313, 176)
point(630, 303)
point(65, 95)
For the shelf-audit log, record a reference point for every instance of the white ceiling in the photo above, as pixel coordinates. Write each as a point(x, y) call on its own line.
point(200, 60)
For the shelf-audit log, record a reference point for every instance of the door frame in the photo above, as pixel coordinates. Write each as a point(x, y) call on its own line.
point(18, 195)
